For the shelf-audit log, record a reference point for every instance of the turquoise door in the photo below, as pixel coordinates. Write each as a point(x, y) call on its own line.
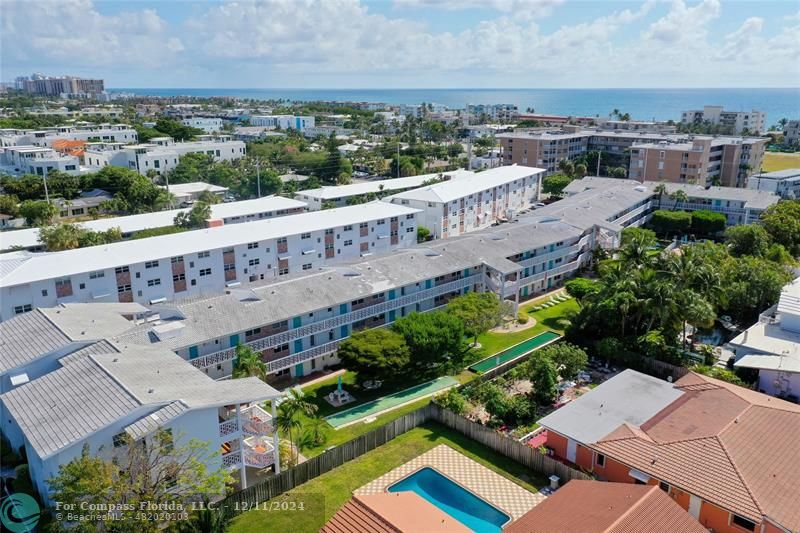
point(298, 345)
point(234, 340)
point(193, 352)
point(297, 322)
point(392, 315)
point(298, 370)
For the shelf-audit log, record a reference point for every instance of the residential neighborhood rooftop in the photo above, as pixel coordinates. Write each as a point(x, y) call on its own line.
point(598, 507)
point(98, 390)
point(375, 186)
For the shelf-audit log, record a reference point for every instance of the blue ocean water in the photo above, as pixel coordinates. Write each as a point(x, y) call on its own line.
point(454, 500)
point(642, 104)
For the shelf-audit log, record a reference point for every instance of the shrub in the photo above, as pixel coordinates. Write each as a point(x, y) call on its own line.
point(667, 222)
point(452, 400)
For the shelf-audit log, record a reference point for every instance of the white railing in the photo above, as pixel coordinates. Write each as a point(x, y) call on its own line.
point(638, 211)
point(555, 254)
point(232, 459)
point(258, 452)
point(331, 323)
point(228, 427)
point(256, 421)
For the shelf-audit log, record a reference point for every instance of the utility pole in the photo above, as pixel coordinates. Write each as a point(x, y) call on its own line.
point(44, 179)
point(599, 153)
point(398, 158)
point(258, 175)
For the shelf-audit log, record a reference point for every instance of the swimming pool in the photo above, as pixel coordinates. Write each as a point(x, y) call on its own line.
point(453, 499)
point(518, 350)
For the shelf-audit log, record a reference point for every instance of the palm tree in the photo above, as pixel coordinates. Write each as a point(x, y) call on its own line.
point(314, 434)
point(679, 196)
point(293, 405)
point(660, 190)
point(288, 422)
point(248, 363)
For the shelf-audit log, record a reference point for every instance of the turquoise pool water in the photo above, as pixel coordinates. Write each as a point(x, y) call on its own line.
point(454, 500)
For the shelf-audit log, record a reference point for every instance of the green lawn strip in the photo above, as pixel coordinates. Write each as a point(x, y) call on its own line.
point(339, 436)
point(389, 401)
point(546, 319)
point(337, 485)
point(515, 351)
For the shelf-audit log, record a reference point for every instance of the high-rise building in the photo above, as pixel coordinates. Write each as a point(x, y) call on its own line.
point(736, 122)
point(42, 85)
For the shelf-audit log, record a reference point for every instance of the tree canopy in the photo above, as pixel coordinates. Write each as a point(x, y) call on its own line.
point(478, 312)
point(377, 353)
point(435, 338)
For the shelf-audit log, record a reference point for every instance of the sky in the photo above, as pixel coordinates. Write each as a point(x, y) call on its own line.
point(405, 43)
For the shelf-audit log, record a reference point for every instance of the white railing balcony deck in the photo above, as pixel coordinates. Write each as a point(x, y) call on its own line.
point(228, 427)
point(232, 459)
point(258, 452)
point(256, 421)
point(340, 320)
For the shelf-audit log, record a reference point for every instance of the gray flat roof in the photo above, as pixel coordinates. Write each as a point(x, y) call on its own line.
point(600, 411)
point(780, 174)
point(100, 390)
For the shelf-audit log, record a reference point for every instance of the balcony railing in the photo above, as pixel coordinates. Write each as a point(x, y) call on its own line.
point(334, 322)
point(258, 452)
point(256, 421)
point(228, 427)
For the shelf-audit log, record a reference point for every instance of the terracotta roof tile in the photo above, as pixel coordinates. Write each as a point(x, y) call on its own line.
point(354, 517)
point(731, 446)
point(598, 507)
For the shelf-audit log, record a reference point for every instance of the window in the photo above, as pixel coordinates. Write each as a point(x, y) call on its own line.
point(123, 288)
point(251, 332)
point(601, 460)
point(307, 266)
point(120, 439)
point(176, 259)
point(410, 230)
point(153, 282)
point(121, 270)
point(252, 245)
point(193, 282)
point(97, 274)
point(228, 267)
point(348, 228)
point(179, 277)
point(348, 242)
point(329, 231)
point(743, 523)
point(363, 225)
point(282, 240)
point(201, 255)
point(305, 235)
point(44, 292)
point(19, 309)
point(279, 325)
point(82, 286)
point(205, 272)
point(254, 262)
point(664, 486)
point(63, 282)
point(151, 264)
point(381, 222)
point(409, 217)
point(283, 271)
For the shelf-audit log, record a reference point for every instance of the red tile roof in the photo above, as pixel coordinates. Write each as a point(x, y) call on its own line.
point(731, 446)
point(386, 512)
point(598, 507)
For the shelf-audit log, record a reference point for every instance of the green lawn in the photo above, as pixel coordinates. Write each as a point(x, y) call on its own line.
point(492, 343)
point(336, 486)
point(779, 161)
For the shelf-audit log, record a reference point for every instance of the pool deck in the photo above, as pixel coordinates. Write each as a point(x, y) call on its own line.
point(490, 486)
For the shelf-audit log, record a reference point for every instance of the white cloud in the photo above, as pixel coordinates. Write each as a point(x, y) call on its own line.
point(325, 43)
point(71, 32)
point(527, 7)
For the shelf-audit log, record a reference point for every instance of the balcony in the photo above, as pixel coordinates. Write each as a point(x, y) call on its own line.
point(258, 452)
point(256, 421)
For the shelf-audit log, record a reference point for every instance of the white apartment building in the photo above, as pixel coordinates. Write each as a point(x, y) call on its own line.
point(467, 204)
point(340, 195)
point(209, 125)
point(784, 183)
point(284, 122)
point(186, 193)
point(161, 154)
point(227, 213)
point(18, 160)
point(118, 133)
point(493, 111)
point(111, 395)
point(203, 261)
point(772, 346)
point(739, 121)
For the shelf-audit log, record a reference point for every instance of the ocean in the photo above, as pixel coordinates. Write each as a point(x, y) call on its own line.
point(642, 104)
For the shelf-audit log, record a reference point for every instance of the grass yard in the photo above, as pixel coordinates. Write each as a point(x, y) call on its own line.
point(780, 161)
point(546, 319)
point(336, 486)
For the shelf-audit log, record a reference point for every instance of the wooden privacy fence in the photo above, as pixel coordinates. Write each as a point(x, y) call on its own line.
point(511, 448)
point(327, 461)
